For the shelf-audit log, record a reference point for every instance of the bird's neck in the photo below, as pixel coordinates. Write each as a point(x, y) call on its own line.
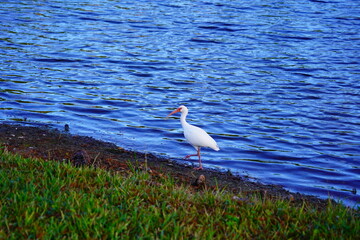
point(183, 120)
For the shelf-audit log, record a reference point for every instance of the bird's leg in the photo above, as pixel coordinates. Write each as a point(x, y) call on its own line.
point(191, 155)
point(200, 165)
point(197, 154)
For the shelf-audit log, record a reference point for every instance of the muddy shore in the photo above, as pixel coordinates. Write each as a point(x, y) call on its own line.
point(59, 145)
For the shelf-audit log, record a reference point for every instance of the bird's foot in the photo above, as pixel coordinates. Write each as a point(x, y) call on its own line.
point(198, 168)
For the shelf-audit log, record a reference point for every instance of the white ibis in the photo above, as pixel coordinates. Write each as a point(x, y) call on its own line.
point(196, 136)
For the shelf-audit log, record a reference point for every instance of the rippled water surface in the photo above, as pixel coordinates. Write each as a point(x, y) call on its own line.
point(276, 83)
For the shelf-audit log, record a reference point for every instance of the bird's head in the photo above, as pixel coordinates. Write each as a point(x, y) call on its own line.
point(181, 109)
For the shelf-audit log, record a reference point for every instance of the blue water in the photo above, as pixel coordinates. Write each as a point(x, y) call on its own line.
point(276, 83)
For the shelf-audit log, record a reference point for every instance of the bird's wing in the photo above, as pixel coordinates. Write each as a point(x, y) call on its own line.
point(199, 138)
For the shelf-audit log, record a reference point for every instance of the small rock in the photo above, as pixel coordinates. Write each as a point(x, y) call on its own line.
point(66, 128)
point(80, 158)
point(200, 181)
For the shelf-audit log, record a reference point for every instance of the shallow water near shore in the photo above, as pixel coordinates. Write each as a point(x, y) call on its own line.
point(276, 84)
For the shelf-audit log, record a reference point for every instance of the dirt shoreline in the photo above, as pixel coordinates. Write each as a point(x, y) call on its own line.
point(53, 144)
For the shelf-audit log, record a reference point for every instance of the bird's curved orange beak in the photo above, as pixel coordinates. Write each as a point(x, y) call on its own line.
point(175, 111)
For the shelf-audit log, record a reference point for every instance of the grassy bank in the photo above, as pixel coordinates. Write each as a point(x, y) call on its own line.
point(47, 199)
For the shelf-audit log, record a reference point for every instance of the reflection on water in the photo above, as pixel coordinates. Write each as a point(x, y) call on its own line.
point(275, 84)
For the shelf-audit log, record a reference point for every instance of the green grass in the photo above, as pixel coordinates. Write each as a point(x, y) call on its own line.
point(51, 200)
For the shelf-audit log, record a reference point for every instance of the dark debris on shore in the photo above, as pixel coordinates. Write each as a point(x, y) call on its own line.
point(51, 144)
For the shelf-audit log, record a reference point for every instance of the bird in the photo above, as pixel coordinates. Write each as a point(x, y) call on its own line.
point(194, 135)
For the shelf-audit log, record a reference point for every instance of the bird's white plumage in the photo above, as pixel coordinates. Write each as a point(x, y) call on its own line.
point(196, 136)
